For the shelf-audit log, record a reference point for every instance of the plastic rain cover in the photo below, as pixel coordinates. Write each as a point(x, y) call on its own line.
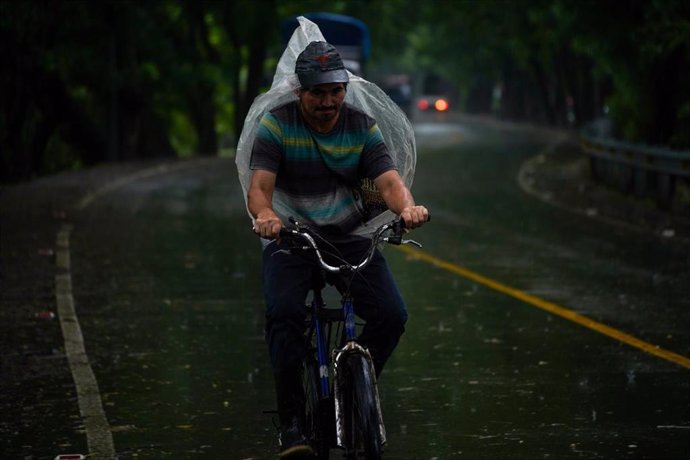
point(366, 96)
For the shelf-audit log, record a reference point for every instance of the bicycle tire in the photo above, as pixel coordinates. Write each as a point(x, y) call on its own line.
point(361, 411)
point(315, 411)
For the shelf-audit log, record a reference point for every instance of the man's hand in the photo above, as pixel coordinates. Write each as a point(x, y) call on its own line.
point(414, 216)
point(268, 225)
point(399, 199)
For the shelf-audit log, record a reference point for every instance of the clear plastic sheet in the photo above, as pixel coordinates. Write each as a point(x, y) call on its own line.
point(396, 128)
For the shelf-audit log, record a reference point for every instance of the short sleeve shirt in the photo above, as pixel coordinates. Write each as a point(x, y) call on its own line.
point(317, 175)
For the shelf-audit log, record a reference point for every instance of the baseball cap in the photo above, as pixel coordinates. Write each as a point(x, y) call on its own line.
point(320, 63)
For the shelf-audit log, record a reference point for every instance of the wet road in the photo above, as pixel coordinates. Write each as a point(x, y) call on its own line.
point(165, 282)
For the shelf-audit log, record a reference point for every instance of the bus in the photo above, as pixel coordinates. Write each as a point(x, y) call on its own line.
point(348, 34)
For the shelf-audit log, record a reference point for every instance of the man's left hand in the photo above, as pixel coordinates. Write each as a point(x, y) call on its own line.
point(414, 216)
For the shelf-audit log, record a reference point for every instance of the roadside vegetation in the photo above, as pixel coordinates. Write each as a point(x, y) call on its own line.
point(85, 82)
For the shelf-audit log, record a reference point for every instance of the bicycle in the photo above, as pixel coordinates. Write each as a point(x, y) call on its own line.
point(342, 405)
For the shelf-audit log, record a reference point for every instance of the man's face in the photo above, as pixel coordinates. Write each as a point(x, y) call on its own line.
point(322, 103)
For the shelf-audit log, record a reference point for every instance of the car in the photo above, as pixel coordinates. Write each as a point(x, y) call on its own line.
point(433, 103)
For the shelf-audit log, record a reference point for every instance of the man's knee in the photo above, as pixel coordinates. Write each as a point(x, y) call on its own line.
point(394, 313)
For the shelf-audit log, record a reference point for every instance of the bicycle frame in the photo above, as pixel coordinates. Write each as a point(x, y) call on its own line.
point(321, 345)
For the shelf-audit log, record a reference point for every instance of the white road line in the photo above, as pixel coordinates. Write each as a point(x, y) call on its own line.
point(98, 434)
point(164, 168)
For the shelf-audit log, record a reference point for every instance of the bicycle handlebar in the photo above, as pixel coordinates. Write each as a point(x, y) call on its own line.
point(303, 232)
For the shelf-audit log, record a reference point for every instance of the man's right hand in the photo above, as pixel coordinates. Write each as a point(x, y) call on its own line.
point(267, 224)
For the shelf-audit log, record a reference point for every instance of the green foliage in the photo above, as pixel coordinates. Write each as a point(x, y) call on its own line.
point(183, 137)
point(60, 156)
point(561, 62)
point(85, 82)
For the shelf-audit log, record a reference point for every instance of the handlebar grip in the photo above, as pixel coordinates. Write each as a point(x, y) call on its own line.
point(283, 232)
point(400, 225)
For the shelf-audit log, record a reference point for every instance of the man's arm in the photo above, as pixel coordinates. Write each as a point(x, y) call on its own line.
point(260, 203)
point(399, 199)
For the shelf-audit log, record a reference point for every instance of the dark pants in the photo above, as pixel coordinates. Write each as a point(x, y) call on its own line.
point(287, 279)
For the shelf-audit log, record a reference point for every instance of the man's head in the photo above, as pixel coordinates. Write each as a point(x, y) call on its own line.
point(323, 81)
point(320, 63)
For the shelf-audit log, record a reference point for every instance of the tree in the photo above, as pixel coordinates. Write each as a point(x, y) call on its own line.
point(86, 82)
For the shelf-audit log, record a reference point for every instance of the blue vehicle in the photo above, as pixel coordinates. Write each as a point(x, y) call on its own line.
point(348, 34)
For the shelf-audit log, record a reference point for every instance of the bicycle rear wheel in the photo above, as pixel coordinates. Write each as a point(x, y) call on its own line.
point(362, 411)
point(317, 412)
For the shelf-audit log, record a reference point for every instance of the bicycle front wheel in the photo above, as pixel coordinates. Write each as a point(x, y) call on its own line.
point(362, 411)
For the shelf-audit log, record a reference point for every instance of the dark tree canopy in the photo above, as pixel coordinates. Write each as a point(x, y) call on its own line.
point(87, 82)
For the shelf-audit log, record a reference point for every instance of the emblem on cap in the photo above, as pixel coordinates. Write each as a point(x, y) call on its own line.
point(323, 59)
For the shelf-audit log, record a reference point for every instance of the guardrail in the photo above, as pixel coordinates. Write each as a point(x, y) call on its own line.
point(642, 170)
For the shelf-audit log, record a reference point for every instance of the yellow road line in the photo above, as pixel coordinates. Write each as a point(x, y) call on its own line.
point(551, 308)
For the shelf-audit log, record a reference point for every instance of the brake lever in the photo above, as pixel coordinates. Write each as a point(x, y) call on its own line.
point(398, 240)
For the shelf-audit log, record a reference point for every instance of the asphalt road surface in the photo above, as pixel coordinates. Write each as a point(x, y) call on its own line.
point(132, 317)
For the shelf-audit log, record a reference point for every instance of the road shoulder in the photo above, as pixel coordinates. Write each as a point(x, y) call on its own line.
point(561, 176)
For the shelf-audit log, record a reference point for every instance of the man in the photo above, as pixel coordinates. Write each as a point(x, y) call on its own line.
point(307, 161)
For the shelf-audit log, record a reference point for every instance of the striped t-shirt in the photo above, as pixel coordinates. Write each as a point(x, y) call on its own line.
point(317, 174)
